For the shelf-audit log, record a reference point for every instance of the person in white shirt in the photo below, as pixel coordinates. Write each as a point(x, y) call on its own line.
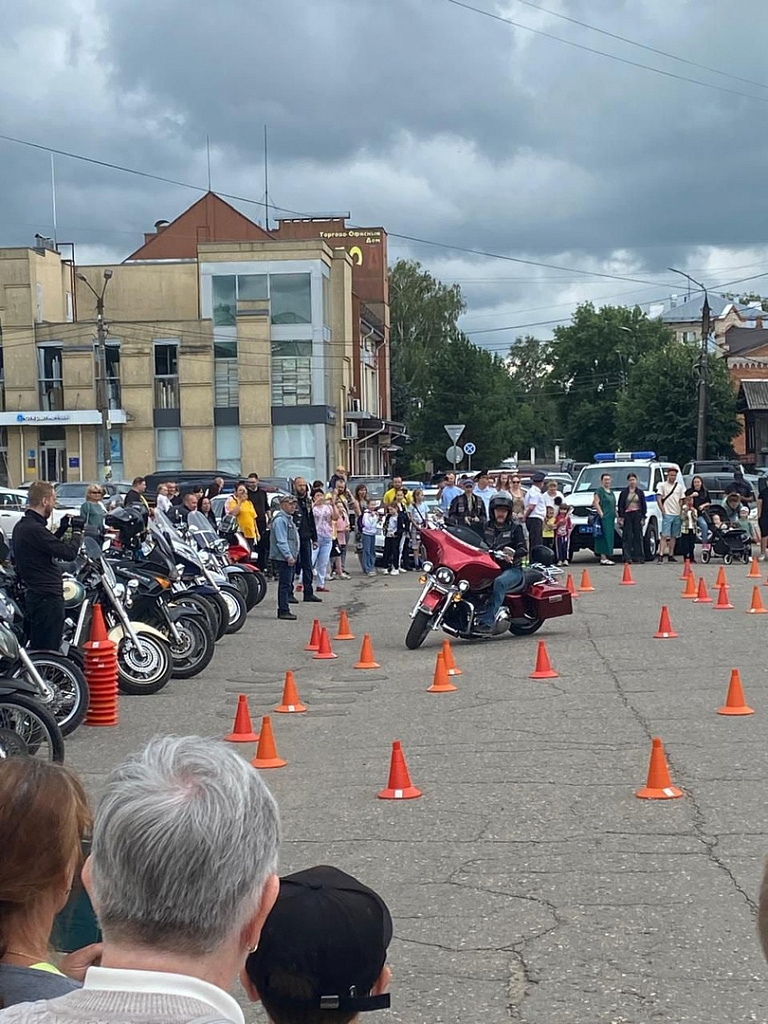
point(369, 525)
point(535, 510)
point(163, 503)
point(182, 878)
point(485, 489)
point(670, 494)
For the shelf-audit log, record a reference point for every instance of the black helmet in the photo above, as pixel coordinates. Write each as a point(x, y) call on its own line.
point(129, 522)
point(542, 555)
point(500, 501)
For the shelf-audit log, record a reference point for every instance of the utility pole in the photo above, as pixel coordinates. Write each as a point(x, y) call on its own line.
point(102, 400)
point(701, 423)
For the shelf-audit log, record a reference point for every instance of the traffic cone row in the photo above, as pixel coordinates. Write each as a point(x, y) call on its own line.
point(101, 672)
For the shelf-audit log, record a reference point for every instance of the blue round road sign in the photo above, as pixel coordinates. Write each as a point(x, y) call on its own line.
point(469, 448)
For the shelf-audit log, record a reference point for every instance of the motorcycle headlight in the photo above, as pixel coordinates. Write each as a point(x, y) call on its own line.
point(445, 576)
point(427, 566)
point(463, 586)
point(119, 591)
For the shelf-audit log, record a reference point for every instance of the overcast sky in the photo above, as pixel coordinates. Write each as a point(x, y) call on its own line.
point(429, 119)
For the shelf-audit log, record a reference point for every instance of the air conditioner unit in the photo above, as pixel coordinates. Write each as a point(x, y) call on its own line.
point(350, 431)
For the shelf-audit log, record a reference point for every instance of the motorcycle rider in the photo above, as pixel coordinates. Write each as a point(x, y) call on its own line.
point(502, 534)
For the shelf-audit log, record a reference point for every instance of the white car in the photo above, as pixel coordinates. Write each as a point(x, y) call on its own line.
point(13, 505)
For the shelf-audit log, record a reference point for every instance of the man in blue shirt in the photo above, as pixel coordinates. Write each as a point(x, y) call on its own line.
point(284, 550)
point(448, 491)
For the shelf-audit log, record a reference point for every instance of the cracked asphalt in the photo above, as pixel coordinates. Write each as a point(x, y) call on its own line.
point(528, 884)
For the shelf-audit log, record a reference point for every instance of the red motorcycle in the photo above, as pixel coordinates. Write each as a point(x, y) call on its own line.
point(458, 581)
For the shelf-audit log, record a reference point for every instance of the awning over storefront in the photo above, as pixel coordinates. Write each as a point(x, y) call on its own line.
point(60, 418)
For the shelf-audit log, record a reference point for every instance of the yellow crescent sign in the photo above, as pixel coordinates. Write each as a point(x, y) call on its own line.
point(356, 253)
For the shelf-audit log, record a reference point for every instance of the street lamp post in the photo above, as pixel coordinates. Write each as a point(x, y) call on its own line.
point(701, 427)
point(102, 401)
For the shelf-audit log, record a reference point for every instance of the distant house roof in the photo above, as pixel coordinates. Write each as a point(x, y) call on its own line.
point(690, 311)
point(753, 394)
point(745, 339)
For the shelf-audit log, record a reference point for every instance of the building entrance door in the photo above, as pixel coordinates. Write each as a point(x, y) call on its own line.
point(53, 455)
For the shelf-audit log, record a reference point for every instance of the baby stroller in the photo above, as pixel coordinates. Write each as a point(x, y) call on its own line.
point(727, 539)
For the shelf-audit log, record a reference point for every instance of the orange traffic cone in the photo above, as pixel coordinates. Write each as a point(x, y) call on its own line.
point(690, 587)
point(242, 731)
point(723, 601)
point(702, 594)
point(734, 702)
point(344, 633)
point(314, 637)
point(440, 682)
point(543, 668)
point(721, 581)
point(754, 570)
point(450, 665)
point(626, 576)
point(266, 753)
point(687, 571)
point(659, 785)
point(756, 608)
point(586, 583)
point(399, 786)
point(324, 652)
point(291, 702)
point(570, 586)
point(366, 655)
point(665, 631)
point(98, 625)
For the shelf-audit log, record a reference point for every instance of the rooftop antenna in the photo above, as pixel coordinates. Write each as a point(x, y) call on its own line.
point(208, 151)
point(53, 201)
point(266, 179)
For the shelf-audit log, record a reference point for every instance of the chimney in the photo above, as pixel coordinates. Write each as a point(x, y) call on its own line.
point(160, 225)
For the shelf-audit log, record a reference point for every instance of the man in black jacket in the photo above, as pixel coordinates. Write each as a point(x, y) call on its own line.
point(259, 499)
point(467, 509)
point(502, 533)
point(35, 550)
point(305, 524)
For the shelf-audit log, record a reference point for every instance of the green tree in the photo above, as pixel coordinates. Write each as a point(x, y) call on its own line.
point(592, 360)
point(530, 364)
point(659, 409)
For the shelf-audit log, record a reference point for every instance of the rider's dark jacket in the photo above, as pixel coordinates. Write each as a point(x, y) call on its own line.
point(507, 535)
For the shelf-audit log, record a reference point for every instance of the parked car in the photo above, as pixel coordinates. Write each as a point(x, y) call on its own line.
point(72, 495)
point(13, 505)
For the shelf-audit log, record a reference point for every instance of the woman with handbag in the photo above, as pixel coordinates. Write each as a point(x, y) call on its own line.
point(604, 504)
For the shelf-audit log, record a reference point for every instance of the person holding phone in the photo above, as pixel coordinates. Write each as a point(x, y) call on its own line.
point(44, 816)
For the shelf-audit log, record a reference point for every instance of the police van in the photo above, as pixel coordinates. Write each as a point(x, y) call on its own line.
point(650, 470)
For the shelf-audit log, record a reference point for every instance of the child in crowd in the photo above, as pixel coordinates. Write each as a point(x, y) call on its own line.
point(391, 539)
point(548, 529)
point(687, 544)
point(369, 522)
point(339, 546)
point(563, 529)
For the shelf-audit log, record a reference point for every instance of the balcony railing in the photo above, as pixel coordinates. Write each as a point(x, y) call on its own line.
point(167, 392)
point(51, 394)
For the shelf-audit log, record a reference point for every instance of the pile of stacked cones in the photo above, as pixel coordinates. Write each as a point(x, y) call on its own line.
point(101, 672)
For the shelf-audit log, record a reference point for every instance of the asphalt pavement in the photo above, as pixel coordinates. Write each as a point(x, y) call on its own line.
point(528, 883)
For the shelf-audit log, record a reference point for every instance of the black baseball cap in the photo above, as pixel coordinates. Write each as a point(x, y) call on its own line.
point(327, 933)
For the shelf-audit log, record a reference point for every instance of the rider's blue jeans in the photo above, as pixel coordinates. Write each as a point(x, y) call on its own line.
point(508, 578)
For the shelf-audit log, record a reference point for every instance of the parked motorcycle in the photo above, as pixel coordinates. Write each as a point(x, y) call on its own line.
point(26, 727)
point(213, 553)
point(458, 581)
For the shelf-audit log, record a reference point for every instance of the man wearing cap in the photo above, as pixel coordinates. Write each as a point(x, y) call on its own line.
point(535, 510)
point(467, 509)
point(284, 550)
point(322, 951)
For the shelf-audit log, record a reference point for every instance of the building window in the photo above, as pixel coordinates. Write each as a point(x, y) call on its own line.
point(166, 375)
point(290, 298)
point(224, 300)
point(168, 448)
point(326, 301)
point(291, 373)
point(228, 449)
point(225, 376)
point(113, 375)
point(293, 451)
point(49, 359)
point(252, 287)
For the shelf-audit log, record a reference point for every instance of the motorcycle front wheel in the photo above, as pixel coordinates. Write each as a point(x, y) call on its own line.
point(27, 729)
point(417, 632)
point(236, 609)
point(143, 668)
point(247, 587)
point(194, 651)
point(69, 685)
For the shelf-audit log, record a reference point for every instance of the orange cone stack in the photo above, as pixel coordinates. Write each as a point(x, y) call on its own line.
point(687, 571)
point(543, 668)
point(266, 752)
point(734, 702)
point(756, 608)
point(344, 633)
point(723, 602)
point(242, 731)
point(586, 583)
point(291, 703)
point(721, 581)
point(441, 682)
point(665, 631)
point(626, 576)
point(450, 665)
point(324, 651)
point(702, 594)
point(314, 637)
point(101, 672)
point(690, 587)
point(366, 655)
point(754, 571)
point(659, 785)
point(399, 786)
point(570, 586)
point(98, 625)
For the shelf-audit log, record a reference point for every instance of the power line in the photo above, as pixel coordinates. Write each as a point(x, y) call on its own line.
point(604, 53)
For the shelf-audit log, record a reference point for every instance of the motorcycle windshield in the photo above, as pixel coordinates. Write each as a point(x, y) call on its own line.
point(202, 529)
point(161, 526)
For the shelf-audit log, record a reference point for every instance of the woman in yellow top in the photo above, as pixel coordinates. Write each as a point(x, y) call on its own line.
point(241, 507)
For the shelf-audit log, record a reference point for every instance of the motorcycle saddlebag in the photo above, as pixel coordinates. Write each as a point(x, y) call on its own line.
point(550, 600)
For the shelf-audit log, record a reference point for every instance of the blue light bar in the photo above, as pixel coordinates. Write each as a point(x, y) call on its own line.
point(624, 456)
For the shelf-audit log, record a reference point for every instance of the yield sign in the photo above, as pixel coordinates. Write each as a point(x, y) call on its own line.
point(454, 430)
